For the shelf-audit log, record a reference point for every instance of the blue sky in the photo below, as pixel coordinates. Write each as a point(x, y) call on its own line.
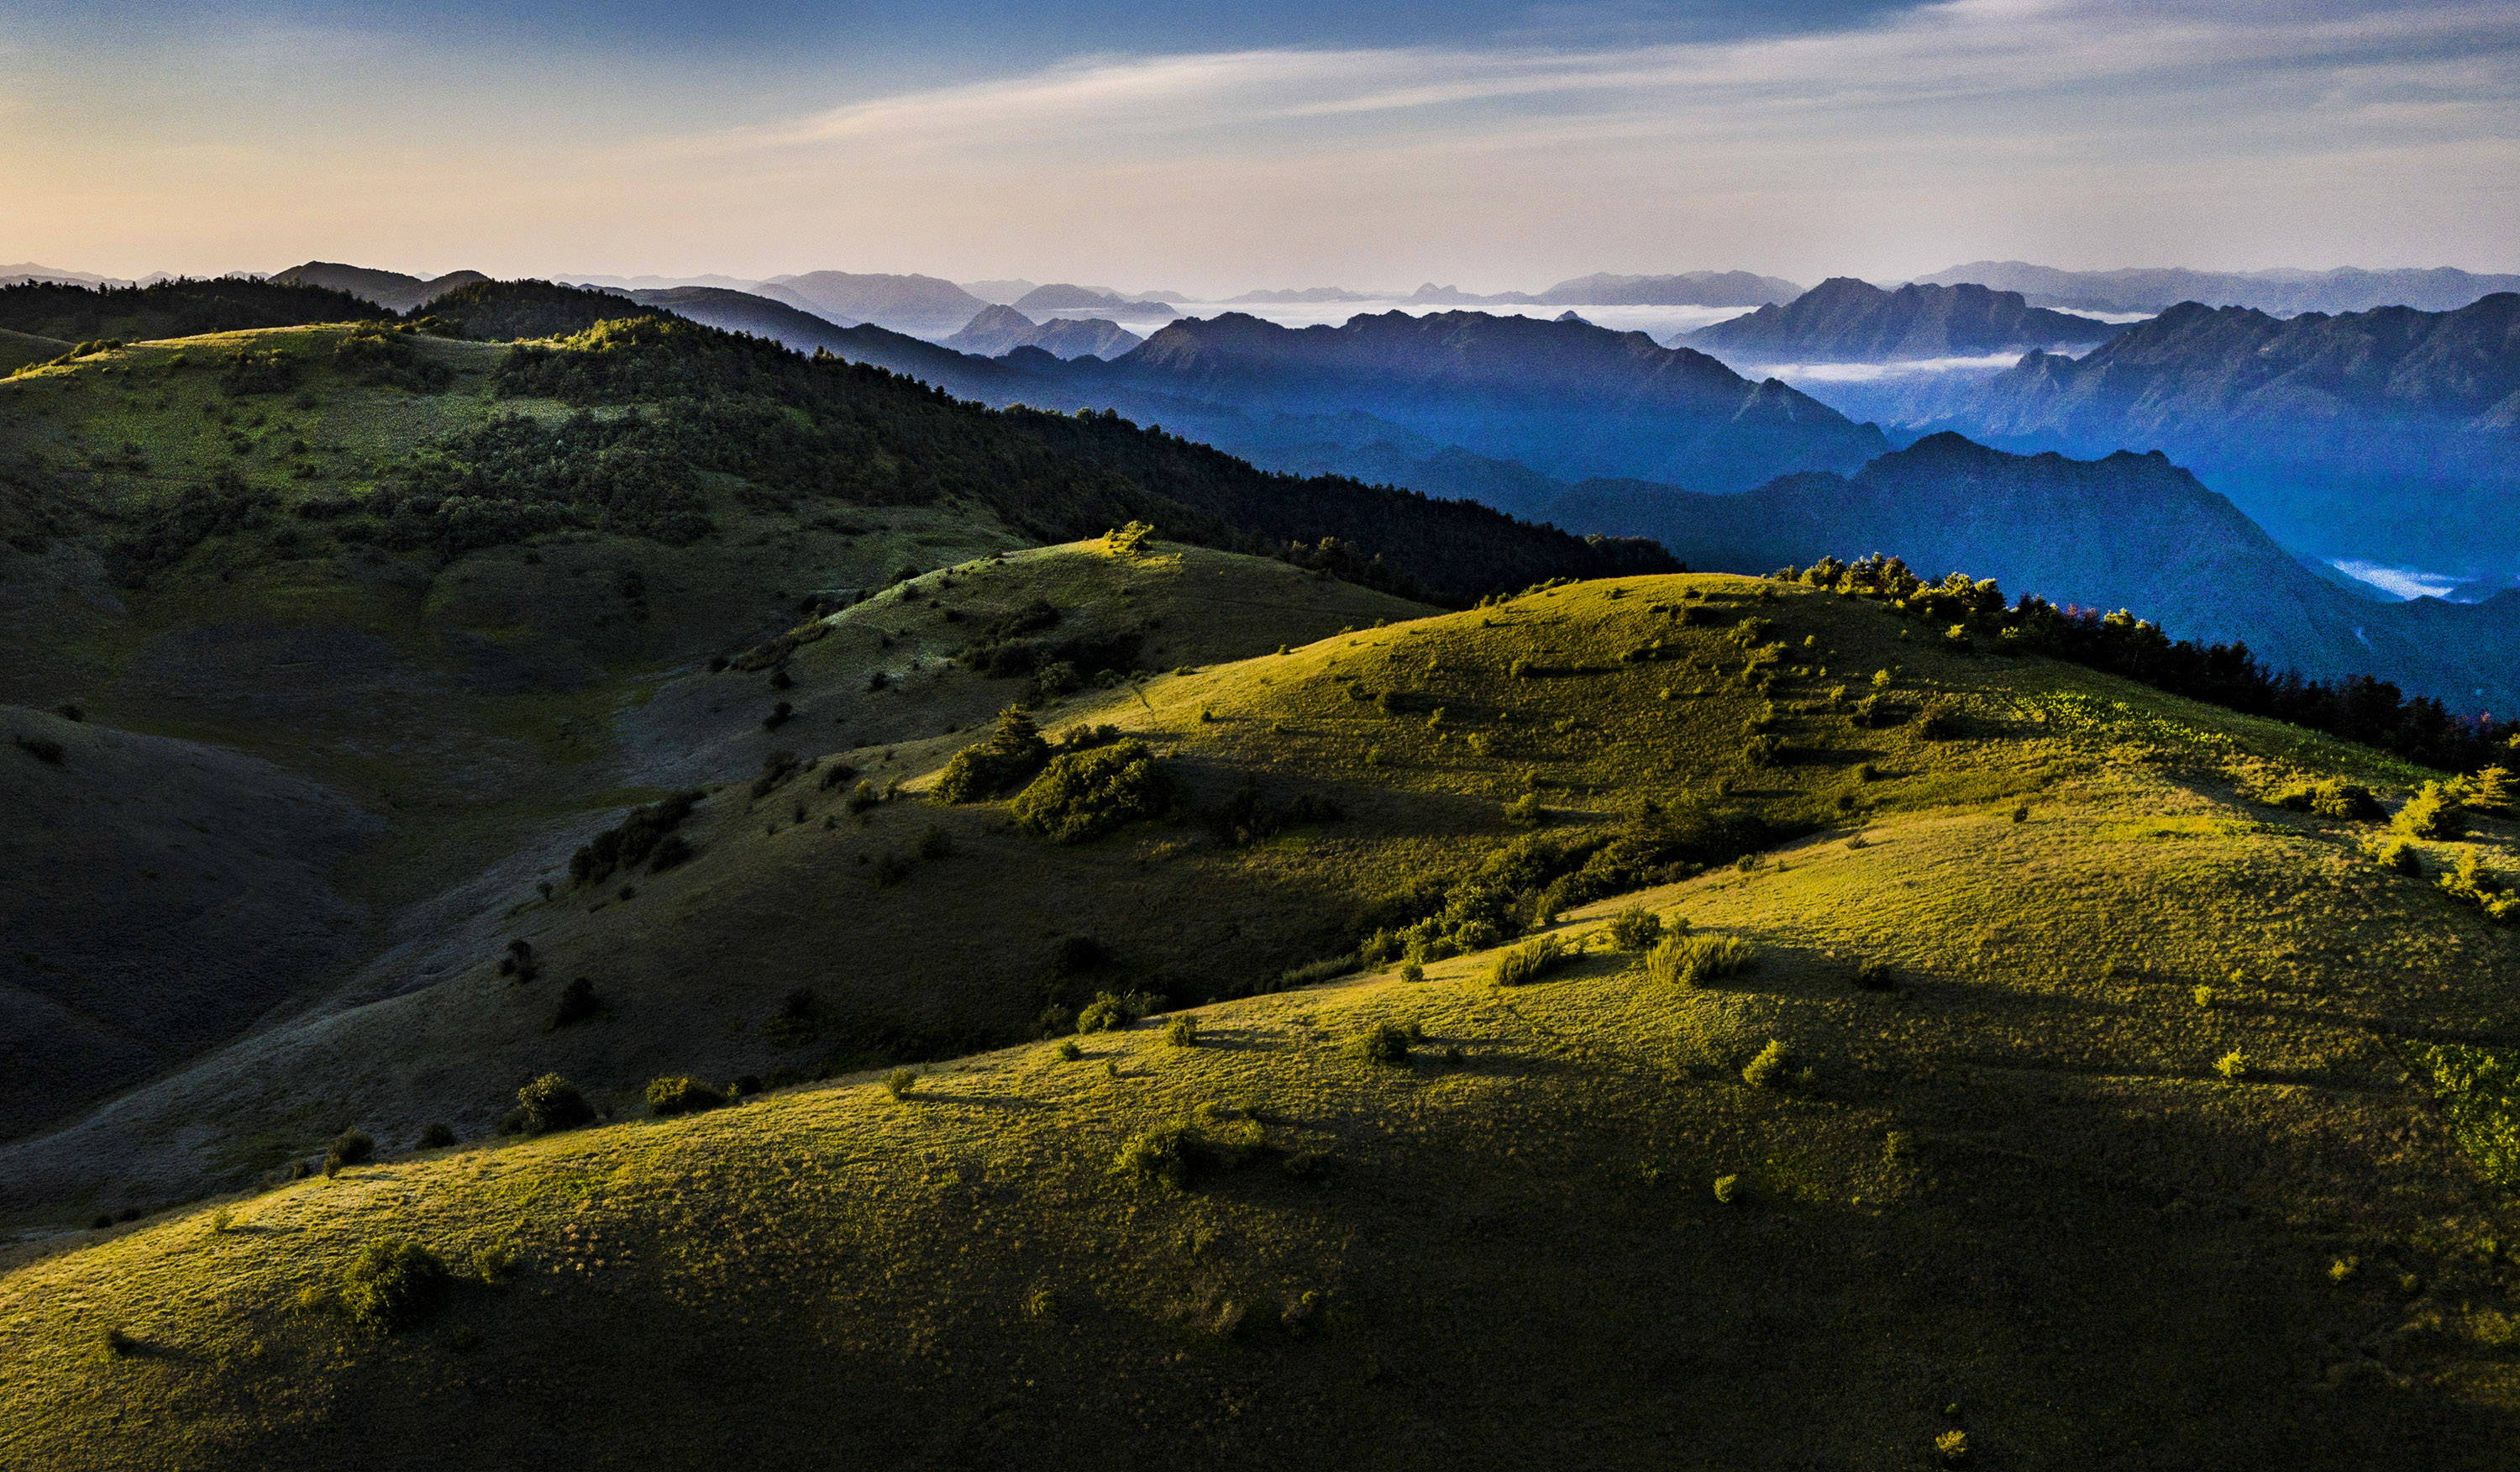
point(1201, 149)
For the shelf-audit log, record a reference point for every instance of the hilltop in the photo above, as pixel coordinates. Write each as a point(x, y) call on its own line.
point(1849, 321)
point(395, 291)
point(2063, 1095)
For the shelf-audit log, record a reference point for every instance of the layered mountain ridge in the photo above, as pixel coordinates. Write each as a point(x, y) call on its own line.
point(1844, 320)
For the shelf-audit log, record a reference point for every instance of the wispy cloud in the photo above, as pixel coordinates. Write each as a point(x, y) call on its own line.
point(2081, 132)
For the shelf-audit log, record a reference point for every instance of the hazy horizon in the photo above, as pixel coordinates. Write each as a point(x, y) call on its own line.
point(1495, 147)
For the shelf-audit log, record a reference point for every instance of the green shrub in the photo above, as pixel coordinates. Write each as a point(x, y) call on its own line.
point(2204, 997)
point(391, 1284)
point(1384, 1043)
point(577, 1002)
point(1318, 971)
point(1182, 1032)
point(1174, 1154)
point(1525, 811)
point(1951, 1448)
point(2493, 791)
point(1068, 1051)
point(1085, 795)
point(2394, 854)
point(2434, 813)
point(1726, 1187)
point(1873, 974)
point(680, 1095)
point(2334, 798)
point(1529, 961)
point(551, 1102)
point(437, 1137)
point(1635, 928)
point(493, 1264)
point(119, 1344)
point(1695, 960)
point(2233, 1065)
point(1771, 1069)
point(900, 1084)
point(2474, 884)
point(1113, 1012)
point(351, 1147)
point(1412, 973)
point(1006, 761)
point(1938, 721)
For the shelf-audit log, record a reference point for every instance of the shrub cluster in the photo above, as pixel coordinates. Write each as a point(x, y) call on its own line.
point(1173, 1154)
point(1004, 763)
point(351, 1147)
point(2334, 798)
point(391, 1284)
point(639, 838)
point(680, 1095)
point(549, 1103)
point(1695, 960)
point(2435, 812)
point(1636, 928)
point(1386, 1042)
point(1085, 795)
point(2363, 708)
point(1248, 819)
point(1530, 961)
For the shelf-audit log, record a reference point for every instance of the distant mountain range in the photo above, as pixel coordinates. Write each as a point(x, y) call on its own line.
point(389, 289)
point(1003, 292)
point(1563, 398)
point(1843, 320)
point(1061, 296)
point(2390, 435)
point(925, 305)
point(2127, 531)
point(1297, 295)
point(26, 270)
point(1603, 288)
point(999, 330)
point(2345, 289)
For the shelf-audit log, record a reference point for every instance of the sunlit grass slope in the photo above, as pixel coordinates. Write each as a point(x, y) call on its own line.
point(2005, 1174)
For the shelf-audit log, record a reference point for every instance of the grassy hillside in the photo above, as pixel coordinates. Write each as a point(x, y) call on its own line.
point(17, 349)
point(2005, 1174)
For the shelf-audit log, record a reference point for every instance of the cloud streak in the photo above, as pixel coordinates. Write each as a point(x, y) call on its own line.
point(2073, 130)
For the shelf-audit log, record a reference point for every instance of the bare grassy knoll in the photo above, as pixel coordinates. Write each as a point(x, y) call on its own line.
point(2059, 1095)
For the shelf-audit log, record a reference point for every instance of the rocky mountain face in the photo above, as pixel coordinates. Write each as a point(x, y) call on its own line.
point(2347, 289)
point(2127, 531)
point(1843, 320)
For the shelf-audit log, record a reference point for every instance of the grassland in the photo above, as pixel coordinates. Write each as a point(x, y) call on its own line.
point(2022, 1180)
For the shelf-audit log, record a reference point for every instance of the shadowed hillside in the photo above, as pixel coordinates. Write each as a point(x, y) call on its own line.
point(2054, 1096)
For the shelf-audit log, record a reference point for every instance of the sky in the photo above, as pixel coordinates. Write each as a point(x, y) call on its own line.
point(1203, 150)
